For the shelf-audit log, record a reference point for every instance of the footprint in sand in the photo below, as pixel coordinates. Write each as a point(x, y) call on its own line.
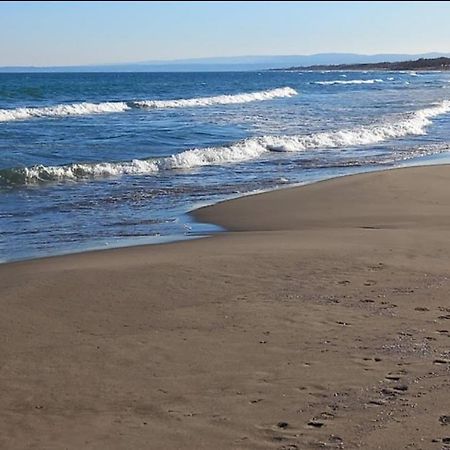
point(445, 441)
point(389, 392)
point(325, 415)
point(367, 300)
point(315, 424)
point(444, 317)
point(401, 388)
point(376, 402)
point(441, 361)
point(336, 440)
point(392, 377)
point(319, 420)
point(376, 359)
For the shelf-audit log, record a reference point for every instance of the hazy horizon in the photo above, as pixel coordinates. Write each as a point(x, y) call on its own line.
point(229, 60)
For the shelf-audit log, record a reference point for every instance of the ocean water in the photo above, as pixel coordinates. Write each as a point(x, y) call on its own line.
point(90, 161)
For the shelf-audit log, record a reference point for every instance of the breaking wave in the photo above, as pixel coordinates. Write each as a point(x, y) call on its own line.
point(414, 123)
point(330, 83)
point(219, 100)
point(74, 109)
point(85, 108)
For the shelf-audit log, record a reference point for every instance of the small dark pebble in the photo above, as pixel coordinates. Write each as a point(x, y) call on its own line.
point(445, 420)
point(282, 425)
point(421, 308)
point(446, 440)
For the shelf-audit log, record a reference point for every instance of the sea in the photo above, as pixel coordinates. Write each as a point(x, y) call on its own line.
point(103, 160)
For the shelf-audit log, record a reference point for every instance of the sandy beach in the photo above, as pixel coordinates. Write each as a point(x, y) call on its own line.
point(320, 320)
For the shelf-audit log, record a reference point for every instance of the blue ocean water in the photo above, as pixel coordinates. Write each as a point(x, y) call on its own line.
point(103, 160)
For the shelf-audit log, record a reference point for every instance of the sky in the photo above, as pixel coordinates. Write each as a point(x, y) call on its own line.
point(77, 33)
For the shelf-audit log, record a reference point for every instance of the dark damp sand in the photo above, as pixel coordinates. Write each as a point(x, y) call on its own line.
point(323, 321)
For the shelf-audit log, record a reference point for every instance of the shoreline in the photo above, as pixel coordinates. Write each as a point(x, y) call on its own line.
point(205, 233)
point(321, 318)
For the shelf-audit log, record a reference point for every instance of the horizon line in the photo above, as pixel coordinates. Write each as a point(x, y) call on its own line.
point(196, 60)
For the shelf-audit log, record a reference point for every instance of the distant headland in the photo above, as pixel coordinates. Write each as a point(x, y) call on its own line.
point(319, 61)
point(432, 64)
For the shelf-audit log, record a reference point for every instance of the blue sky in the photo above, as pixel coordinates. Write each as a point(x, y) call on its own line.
point(71, 33)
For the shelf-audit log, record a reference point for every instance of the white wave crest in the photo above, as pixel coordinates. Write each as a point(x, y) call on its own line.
point(239, 152)
point(409, 124)
point(332, 82)
point(79, 109)
point(74, 109)
point(89, 170)
point(219, 100)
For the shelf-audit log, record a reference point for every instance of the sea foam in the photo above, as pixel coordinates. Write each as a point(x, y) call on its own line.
point(332, 82)
point(413, 123)
point(218, 100)
point(85, 108)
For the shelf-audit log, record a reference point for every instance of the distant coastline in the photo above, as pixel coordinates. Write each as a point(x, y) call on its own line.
point(233, 64)
point(421, 64)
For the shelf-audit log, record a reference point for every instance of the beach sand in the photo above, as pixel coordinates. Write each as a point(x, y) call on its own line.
point(322, 319)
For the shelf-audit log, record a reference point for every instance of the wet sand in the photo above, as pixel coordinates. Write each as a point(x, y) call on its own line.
point(322, 319)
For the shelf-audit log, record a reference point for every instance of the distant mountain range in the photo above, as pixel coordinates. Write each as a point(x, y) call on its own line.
point(237, 63)
point(441, 63)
